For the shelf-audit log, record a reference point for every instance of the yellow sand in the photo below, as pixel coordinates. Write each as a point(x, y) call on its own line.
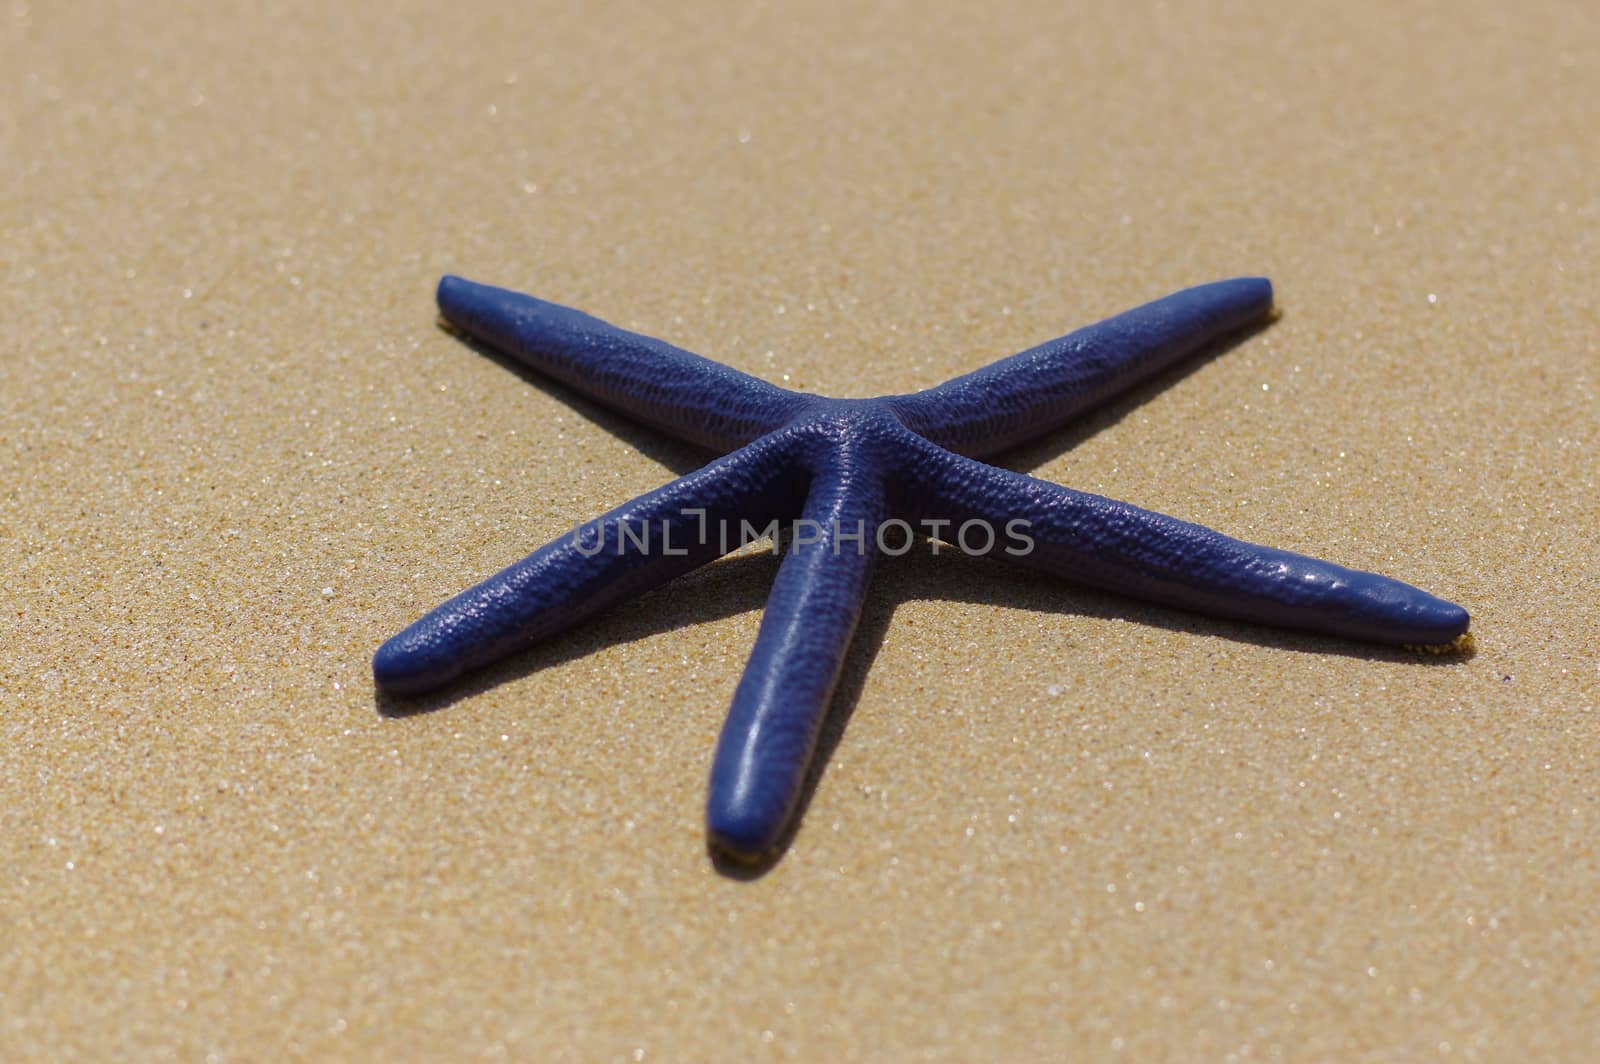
point(236, 453)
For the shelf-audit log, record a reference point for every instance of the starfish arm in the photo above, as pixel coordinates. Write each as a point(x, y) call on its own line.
point(651, 381)
point(782, 700)
point(1118, 547)
point(1035, 392)
point(632, 549)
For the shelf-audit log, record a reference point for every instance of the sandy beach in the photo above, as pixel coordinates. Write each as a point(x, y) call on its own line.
point(238, 452)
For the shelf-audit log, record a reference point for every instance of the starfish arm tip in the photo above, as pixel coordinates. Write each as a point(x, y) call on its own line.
point(460, 300)
point(407, 665)
point(743, 832)
point(1250, 297)
point(1457, 623)
point(1391, 611)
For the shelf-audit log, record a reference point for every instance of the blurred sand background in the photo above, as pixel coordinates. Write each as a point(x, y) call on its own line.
point(236, 453)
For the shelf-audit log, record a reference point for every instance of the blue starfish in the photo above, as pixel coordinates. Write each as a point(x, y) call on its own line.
point(855, 478)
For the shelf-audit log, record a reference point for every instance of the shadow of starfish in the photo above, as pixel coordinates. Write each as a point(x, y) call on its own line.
point(845, 480)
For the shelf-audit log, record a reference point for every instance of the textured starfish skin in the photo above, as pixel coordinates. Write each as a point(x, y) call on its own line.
point(858, 466)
